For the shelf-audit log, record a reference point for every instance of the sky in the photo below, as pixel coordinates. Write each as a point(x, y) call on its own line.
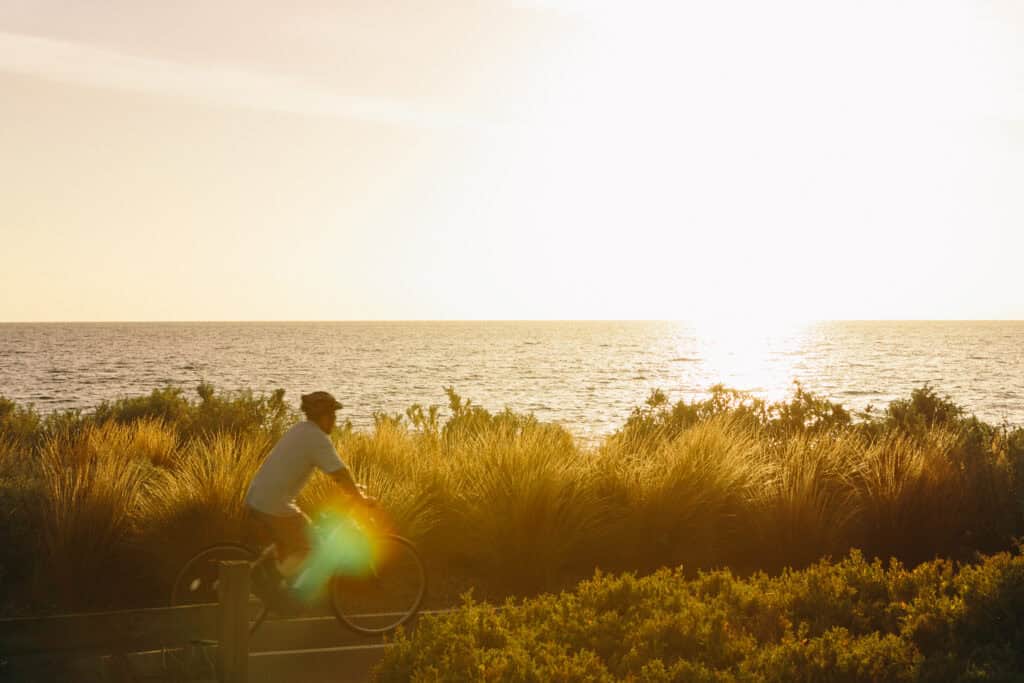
point(511, 159)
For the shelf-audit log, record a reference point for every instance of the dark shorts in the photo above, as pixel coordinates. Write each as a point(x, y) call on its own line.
point(290, 534)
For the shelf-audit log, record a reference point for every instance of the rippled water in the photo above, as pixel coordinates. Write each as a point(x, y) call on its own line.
point(586, 375)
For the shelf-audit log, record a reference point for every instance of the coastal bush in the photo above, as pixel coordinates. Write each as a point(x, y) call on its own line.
point(239, 412)
point(853, 620)
point(236, 412)
point(468, 422)
point(167, 404)
point(19, 425)
point(923, 410)
point(658, 420)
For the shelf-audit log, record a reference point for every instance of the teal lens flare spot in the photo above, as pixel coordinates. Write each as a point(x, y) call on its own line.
point(340, 547)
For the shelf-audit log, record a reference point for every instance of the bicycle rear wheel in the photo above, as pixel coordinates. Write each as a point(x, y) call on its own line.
point(197, 581)
point(389, 596)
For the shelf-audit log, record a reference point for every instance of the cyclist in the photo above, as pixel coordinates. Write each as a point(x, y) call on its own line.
point(271, 497)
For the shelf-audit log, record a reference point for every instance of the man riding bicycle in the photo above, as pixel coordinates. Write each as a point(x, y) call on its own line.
point(276, 485)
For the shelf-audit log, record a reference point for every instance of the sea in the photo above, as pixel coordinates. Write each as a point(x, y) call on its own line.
point(588, 376)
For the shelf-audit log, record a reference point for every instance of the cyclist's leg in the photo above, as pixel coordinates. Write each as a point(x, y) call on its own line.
point(291, 538)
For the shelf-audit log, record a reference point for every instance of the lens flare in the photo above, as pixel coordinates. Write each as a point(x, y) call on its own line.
point(345, 542)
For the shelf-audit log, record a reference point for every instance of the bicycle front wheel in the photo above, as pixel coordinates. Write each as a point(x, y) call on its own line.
point(388, 596)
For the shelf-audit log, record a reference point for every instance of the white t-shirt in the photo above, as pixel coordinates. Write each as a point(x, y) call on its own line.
point(289, 466)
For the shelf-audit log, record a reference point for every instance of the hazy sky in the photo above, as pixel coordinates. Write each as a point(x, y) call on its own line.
point(202, 160)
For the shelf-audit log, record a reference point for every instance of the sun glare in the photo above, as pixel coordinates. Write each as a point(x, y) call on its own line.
point(756, 355)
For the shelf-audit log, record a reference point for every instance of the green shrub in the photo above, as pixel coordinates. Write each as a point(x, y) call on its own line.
point(167, 404)
point(836, 657)
point(924, 409)
point(238, 413)
point(848, 621)
point(658, 420)
point(19, 425)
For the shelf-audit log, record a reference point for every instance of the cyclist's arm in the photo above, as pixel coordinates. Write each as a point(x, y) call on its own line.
point(329, 462)
point(343, 478)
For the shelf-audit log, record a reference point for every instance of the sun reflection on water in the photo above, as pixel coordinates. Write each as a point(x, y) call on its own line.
point(759, 356)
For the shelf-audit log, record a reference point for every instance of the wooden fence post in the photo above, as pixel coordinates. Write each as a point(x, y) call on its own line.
point(233, 591)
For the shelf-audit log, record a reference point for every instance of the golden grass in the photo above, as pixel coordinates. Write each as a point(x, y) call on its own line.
point(807, 506)
point(9, 452)
point(907, 487)
point(522, 507)
point(519, 505)
point(201, 499)
point(88, 508)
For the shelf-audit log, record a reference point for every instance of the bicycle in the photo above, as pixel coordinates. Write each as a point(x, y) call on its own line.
point(378, 596)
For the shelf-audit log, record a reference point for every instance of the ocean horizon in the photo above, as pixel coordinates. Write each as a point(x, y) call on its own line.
point(586, 375)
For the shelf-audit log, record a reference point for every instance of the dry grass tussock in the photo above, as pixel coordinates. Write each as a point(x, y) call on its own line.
point(688, 498)
point(519, 504)
point(119, 503)
point(91, 493)
point(693, 494)
point(9, 452)
point(200, 500)
point(806, 507)
point(911, 487)
point(522, 506)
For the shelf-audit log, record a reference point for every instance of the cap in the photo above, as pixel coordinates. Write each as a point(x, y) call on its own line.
point(319, 402)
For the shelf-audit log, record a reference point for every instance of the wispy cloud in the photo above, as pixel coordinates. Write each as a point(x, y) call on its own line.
point(84, 64)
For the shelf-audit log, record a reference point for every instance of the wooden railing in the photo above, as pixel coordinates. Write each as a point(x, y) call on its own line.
point(39, 647)
point(189, 643)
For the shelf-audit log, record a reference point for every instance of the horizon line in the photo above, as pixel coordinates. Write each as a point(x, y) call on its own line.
point(495, 320)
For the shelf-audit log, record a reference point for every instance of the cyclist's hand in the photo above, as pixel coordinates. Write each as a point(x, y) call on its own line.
point(368, 501)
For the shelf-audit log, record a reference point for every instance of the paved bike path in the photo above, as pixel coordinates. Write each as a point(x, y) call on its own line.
point(311, 650)
point(315, 650)
point(344, 664)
